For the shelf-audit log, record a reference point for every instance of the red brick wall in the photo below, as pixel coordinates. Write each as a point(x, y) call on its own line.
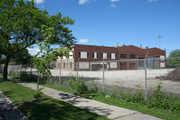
point(118, 50)
point(90, 50)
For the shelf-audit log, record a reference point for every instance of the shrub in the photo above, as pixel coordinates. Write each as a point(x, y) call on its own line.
point(78, 85)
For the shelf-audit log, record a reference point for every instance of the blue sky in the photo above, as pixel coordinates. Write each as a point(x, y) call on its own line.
point(129, 22)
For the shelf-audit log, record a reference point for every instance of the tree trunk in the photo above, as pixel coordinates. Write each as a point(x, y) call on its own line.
point(39, 75)
point(5, 71)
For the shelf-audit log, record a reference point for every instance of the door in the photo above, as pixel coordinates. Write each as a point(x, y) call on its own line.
point(150, 63)
point(123, 66)
point(132, 66)
point(141, 62)
point(156, 62)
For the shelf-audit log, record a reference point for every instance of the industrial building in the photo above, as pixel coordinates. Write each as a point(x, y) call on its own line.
point(119, 57)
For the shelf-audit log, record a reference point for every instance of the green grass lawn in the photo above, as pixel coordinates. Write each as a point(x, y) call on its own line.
point(158, 112)
point(46, 109)
point(59, 88)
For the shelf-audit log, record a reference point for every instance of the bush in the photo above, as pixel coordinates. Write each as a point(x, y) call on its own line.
point(78, 85)
point(28, 77)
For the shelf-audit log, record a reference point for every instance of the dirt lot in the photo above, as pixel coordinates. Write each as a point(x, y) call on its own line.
point(128, 78)
point(134, 79)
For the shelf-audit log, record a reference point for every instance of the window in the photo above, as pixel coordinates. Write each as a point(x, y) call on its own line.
point(132, 56)
point(132, 66)
point(59, 64)
point(70, 65)
point(123, 66)
point(113, 64)
point(104, 56)
point(123, 56)
point(95, 55)
point(83, 55)
point(162, 64)
point(162, 57)
point(113, 55)
point(141, 61)
point(83, 65)
point(64, 65)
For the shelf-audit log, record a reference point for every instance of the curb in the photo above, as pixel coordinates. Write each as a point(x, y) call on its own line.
point(14, 107)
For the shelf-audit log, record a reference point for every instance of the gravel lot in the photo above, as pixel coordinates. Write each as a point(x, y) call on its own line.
point(134, 79)
point(128, 78)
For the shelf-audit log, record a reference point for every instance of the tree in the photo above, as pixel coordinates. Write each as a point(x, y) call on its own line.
point(20, 28)
point(43, 64)
point(1, 59)
point(61, 52)
point(174, 53)
point(22, 57)
point(174, 59)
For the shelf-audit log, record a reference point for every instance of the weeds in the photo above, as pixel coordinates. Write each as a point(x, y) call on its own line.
point(164, 101)
point(94, 88)
point(39, 94)
point(78, 85)
point(159, 98)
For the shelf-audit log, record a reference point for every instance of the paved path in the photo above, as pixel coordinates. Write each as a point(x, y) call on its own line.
point(109, 111)
point(8, 111)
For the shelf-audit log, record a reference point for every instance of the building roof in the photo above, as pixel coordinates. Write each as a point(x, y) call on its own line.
point(121, 46)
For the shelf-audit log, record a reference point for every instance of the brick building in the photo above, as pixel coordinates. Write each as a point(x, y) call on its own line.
point(120, 57)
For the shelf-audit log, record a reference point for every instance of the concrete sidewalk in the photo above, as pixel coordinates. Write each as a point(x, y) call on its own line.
point(8, 111)
point(109, 111)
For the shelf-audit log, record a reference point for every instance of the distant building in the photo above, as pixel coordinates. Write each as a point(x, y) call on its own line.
point(88, 57)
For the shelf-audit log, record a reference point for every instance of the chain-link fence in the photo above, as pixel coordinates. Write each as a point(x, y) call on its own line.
point(128, 75)
point(120, 75)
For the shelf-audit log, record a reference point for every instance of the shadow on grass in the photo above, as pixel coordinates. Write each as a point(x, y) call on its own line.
point(56, 110)
point(1, 79)
point(8, 93)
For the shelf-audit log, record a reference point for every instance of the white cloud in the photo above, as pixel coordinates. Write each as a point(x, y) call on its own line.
point(83, 1)
point(114, 0)
point(33, 51)
point(83, 40)
point(113, 5)
point(38, 1)
point(150, 1)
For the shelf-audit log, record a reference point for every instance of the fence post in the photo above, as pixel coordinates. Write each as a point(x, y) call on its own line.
point(77, 69)
point(60, 73)
point(31, 69)
point(20, 69)
point(103, 75)
point(16, 69)
point(145, 68)
point(2, 69)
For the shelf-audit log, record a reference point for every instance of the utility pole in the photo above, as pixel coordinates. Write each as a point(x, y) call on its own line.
point(159, 39)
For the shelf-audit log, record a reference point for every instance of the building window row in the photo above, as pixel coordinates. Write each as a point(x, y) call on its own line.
point(131, 56)
point(64, 65)
point(95, 55)
point(123, 56)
